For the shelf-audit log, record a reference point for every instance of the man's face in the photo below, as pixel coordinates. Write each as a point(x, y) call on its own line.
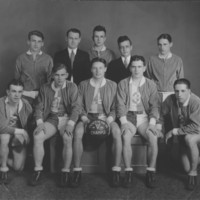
point(164, 46)
point(125, 48)
point(14, 93)
point(35, 44)
point(98, 70)
point(73, 40)
point(59, 77)
point(137, 69)
point(182, 93)
point(99, 38)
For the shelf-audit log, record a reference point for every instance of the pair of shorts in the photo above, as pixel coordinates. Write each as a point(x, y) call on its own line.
point(137, 118)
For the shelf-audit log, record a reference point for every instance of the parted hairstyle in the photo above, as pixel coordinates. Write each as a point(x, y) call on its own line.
point(122, 39)
point(165, 36)
point(137, 58)
point(97, 59)
point(182, 81)
point(74, 30)
point(58, 66)
point(15, 82)
point(37, 33)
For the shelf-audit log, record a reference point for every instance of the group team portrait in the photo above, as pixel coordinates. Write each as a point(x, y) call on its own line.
point(99, 100)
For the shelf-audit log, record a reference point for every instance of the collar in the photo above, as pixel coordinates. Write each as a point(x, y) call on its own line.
point(19, 105)
point(30, 53)
point(94, 84)
point(169, 55)
point(70, 51)
point(187, 101)
point(54, 87)
point(128, 58)
point(102, 49)
point(142, 81)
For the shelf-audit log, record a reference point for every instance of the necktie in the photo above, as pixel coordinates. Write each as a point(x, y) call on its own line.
point(181, 119)
point(126, 62)
point(72, 58)
point(72, 62)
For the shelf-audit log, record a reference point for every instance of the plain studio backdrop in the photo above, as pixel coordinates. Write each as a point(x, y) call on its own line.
point(142, 21)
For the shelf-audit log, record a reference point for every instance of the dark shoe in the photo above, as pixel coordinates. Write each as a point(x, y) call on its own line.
point(128, 179)
point(76, 179)
point(36, 178)
point(151, 179)
point(191, 183)
point(64, 179)
point(115, 179)
point(4, 177)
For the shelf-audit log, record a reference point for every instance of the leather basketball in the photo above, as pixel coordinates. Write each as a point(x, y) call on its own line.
point(98, 129)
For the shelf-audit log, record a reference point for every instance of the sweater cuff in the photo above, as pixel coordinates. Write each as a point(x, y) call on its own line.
point(71, 123)
point(123, 120)
point(110, 119)
point(175, 131)
point(84, 118)
point(152, 121)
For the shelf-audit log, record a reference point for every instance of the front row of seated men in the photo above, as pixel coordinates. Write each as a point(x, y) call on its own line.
point(65, 109)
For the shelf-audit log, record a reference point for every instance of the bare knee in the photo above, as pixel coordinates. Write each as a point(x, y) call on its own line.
point(4, 139)
point(126, 138)
point(116, 132)
point(67, 140)
point(190, 141)
point(79, 131)
point(38, 138)
point(152, 139)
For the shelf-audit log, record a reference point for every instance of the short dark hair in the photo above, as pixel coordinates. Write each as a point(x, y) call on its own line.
point(37, 33)
point(122, 39)
point(58, 66)
point(74, 30)
point(138, 58)
point(99, 28)
point(164, 36)
point(182, 81)
point(16, 82)
point(97, 59)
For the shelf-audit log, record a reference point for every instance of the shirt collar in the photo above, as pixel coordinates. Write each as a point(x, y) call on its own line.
point(94, 84)
point(128, 58)
point(165, 57)
point(102, 49)
point(30, 53)
point(70, 51)
point(19, 105)
point(142, 81)
point(54, 87)
point(187, 101)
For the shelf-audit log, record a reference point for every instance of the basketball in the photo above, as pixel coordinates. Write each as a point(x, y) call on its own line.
point(98, 129)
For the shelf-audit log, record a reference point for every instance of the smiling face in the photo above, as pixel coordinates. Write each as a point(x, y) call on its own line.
point(59, 77)
point(125, 48)
point(73, 40)
point(164, 46)
point(137, 69)
point(98, 70)
point(99, 38)
point(182, 92)
point(35, 43)
point(14, 93)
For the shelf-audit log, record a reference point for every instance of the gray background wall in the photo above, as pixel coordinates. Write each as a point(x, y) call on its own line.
point(143, 21)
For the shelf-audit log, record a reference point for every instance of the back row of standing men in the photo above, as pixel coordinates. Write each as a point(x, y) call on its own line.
point(137, 104)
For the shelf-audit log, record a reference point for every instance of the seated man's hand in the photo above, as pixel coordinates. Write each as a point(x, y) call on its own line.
point(168, 136)
point(128, 127)
point(39, 128)
point(26, 137)
point(153, 129)
point(69, 130)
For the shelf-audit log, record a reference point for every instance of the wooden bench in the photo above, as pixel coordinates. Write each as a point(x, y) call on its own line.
point(96, 161)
